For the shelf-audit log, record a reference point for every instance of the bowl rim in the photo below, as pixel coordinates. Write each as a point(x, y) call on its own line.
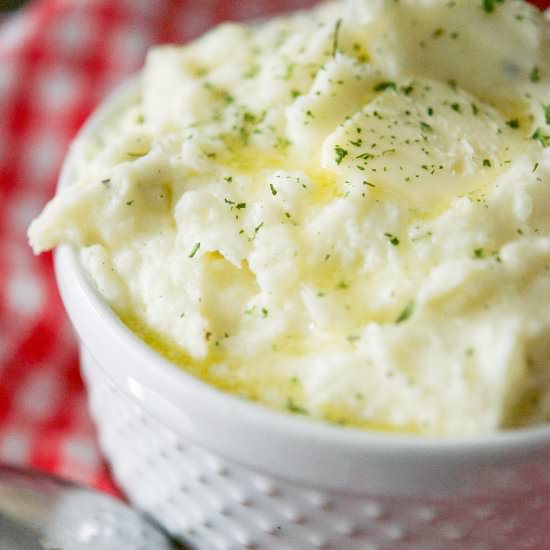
point(173, 379)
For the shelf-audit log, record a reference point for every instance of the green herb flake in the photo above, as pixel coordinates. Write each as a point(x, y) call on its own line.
point(543, 139)
point(252, 72)
point(546, 109)
point(392, 238)
point(364, 156)
point(335, 37)
point(490, 5)
point(425, 127)
point(487, 162)
point(106, 183)
point(257, 229)
point(240, 206)
point(273, 190)
point(340, 154)
point(294, 408)
point(228, 179)
point(407, 311)
point(195, 250)
point(479, 253)
point(129, 203)
point(289, 70)
point(385, 86)
point(265, 312)
point(513, 123)
point(534, 76)
point(456, 107)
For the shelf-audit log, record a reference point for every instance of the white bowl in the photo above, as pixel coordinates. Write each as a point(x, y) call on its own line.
point(222, 473)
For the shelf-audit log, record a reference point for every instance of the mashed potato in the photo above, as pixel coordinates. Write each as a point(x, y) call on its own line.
point(344, 213)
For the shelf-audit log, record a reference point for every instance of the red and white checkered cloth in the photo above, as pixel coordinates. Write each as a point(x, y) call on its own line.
point(58, 59)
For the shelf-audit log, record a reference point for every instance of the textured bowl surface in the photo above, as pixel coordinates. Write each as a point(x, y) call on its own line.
point(221, 473)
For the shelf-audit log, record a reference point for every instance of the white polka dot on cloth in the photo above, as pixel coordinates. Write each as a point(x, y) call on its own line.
point(57, 87)
point(73, 34)
point(15, 446)
point(131, 45)
point(43, 153)
point(9, 75)
point(40, 394)
point(15, 31)
point(25, 293)
point(8, 79)
point(25, 207)
point(81, 450)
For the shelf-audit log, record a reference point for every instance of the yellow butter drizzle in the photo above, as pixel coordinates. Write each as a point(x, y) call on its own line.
point(200, 368)
point(248, 389)
point(254, 161)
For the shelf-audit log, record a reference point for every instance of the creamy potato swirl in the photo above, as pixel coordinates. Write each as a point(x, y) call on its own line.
point(343, 213)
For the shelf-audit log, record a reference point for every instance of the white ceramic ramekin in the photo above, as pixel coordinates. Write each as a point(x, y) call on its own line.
point(222, 473)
